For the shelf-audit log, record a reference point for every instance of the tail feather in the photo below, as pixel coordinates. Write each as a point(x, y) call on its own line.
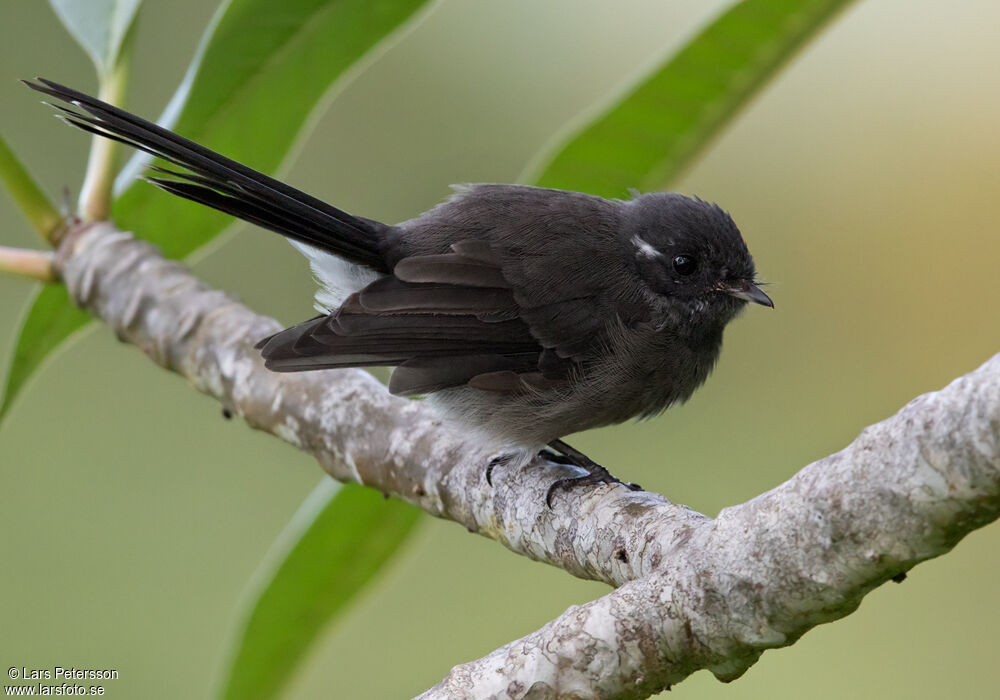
point(224, 184)
point(260, 213)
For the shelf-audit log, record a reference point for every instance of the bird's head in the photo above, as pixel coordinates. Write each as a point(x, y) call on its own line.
point(691, 253)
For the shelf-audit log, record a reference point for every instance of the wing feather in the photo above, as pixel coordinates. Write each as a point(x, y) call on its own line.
point(443, 320)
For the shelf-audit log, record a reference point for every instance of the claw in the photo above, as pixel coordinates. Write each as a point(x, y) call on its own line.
point(596, 474)
point(498, 461)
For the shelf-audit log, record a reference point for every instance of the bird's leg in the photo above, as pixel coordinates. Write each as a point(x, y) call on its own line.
point(556, 458)
point(596, 474)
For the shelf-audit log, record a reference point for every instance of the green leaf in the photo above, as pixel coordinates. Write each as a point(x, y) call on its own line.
point(256, 54)
point(664, 123)
point(51, 320)
point(336, 542)
point(28, 196)
point(261, 54)
point(99, 26)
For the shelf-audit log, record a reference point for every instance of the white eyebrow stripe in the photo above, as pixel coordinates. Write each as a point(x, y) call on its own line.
point(645, 250)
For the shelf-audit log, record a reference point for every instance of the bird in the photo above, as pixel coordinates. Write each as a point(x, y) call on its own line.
point(522, 313)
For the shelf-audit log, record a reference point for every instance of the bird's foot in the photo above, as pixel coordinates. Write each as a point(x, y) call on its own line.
point(498, 461)
point(505, 458)
point(596, 474)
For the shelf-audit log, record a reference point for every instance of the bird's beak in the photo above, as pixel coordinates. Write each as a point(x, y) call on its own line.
point(748, 291)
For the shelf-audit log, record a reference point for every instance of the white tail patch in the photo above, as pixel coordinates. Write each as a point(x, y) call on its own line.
point(337, 278)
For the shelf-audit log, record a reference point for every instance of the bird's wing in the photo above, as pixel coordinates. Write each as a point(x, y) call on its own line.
point(443, 320)
point(556, 252)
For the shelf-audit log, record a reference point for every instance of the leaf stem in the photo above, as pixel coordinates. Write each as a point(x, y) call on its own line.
point(96, 192)
point(33, 203)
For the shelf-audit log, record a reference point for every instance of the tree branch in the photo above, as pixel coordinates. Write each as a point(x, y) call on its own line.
point(694, 592)
point(765, 572)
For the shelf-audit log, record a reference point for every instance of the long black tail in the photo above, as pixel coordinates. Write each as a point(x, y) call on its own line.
point(224, 184)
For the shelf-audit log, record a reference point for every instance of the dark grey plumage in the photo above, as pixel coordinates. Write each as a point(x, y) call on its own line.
point(528, 313)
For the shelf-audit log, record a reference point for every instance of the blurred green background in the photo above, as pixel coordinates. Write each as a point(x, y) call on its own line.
point(865, 179)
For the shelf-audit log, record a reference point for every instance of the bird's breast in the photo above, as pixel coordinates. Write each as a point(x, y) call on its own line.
point(646, 371)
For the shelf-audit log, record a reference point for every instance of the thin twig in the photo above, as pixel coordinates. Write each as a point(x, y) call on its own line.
point(95, 193)
point(29, 264)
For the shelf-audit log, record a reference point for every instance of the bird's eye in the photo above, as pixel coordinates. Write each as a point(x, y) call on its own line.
point(685, 265)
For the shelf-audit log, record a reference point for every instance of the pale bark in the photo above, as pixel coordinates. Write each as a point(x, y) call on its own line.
point(693, 592)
